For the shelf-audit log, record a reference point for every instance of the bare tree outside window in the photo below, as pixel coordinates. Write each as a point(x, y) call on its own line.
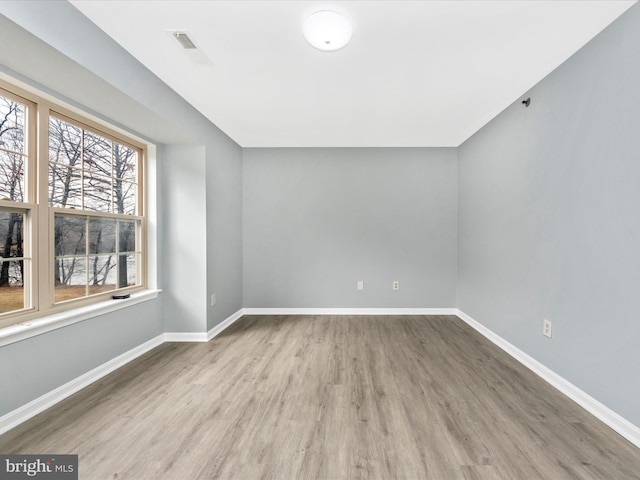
point(12, 189)
point(12, 154)
point(65, 164)
point(79, 238)
point(12, 262)
point(92, 173)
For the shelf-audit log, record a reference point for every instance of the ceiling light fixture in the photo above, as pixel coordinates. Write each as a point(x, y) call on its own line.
point(327, 31)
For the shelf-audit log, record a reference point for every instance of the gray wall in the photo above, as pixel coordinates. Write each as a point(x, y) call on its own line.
point(184, 250)
point(224, 230)
point(53, 47)
point(38, 365)
point(550, 220)
point(318, 220)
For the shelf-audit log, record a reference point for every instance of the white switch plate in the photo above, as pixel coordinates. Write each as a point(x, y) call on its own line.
point(546, 328)
point(360, 285)
point(213, 299)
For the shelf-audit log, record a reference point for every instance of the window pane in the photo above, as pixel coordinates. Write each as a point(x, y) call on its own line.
point(102, 235)
point(11, 176)
point(104, 181)
point(97, 154)
point(12, 292)
point(70, 236)
point(125, 162)
point(97, 193)
point(111, 261)
point(11, 238)
point(127, 236)
point(102, 274)
point(65, 186)
point(71, 278)
point(65, 143)
point(12, 124)
point(127, 270)
point(125, 195)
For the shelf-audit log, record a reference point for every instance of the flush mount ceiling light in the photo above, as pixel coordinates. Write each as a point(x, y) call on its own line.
point(327, 30)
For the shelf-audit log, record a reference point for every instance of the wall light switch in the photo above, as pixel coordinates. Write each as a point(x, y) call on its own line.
point(360, 285)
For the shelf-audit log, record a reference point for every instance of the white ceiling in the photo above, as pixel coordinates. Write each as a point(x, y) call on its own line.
point(416, 73)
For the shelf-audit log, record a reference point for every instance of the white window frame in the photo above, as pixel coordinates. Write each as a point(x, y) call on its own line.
point(44, 314)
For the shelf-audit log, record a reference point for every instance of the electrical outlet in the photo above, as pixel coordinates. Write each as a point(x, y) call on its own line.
point(546, 328)
point(213, 299)
point(360, 285)
point(396, 285)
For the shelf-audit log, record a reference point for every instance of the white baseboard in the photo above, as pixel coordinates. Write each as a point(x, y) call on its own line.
point(349, 311)
point(185, 336)
point(203, 336)
point(625, 428)
point(31, 409)
point(616, 422)
point(224, 324)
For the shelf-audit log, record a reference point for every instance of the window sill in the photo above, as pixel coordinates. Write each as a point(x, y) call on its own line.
point(38, 326)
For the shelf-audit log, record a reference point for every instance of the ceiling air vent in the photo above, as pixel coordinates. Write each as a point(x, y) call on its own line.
point(184, 40)
point(189, 47)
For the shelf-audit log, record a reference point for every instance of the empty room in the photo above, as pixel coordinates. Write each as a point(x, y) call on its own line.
point(320, 239)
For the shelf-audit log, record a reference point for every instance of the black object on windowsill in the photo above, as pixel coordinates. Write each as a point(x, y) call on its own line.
point(121, 297)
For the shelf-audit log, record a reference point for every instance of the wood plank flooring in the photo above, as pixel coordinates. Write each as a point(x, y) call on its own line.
point(328, 397)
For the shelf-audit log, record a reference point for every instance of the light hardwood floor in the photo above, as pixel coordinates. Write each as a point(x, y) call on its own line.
point(328, 397)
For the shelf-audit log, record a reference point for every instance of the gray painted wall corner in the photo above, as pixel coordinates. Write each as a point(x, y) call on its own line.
point(549, 225)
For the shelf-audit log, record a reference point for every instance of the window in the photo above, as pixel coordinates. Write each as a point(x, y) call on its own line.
point(13, 262)
point(72, 223)
point(15, 212)
point(95, 251)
